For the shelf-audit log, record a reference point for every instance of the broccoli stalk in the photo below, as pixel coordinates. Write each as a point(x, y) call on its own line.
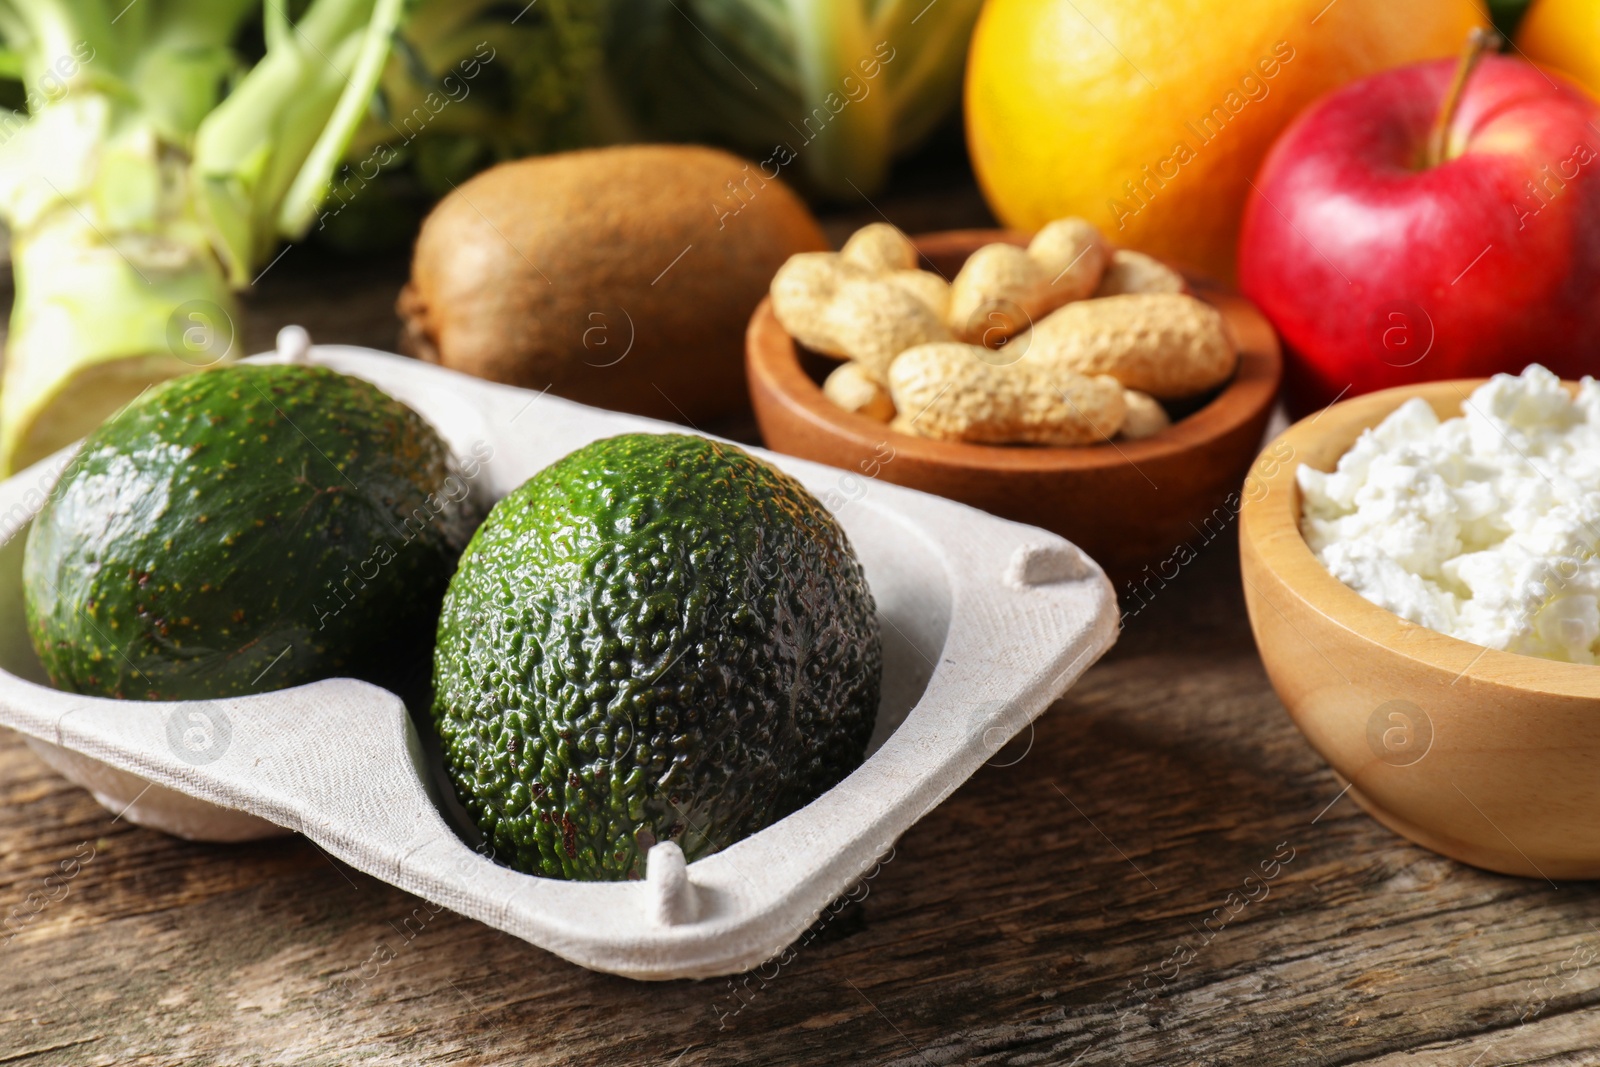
point(152, 176)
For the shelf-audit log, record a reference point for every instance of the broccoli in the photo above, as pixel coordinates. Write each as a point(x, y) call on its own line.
point(165, 148)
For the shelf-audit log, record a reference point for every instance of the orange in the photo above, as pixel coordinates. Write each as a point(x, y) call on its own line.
point(1151, 117)
point(1564, 34)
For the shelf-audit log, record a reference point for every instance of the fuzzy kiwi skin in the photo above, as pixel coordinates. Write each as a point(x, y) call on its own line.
point(621, 277)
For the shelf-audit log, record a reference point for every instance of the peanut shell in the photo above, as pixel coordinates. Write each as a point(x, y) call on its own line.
point(852, 390)
point(998, 292)
point(874, 320)
point(925, 286)
point(1166, 344)
point(1073, 255)
point(1135, 272)
point(953, 392)
point(879, 248)
point(1146, 417)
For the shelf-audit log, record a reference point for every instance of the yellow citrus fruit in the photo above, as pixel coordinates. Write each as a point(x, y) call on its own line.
point(1564, 34)
point(1150, 119)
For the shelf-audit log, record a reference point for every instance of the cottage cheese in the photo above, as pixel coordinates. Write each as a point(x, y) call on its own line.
point(1485, 527)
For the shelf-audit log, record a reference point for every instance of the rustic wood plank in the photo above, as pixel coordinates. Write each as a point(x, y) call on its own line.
point(1054, 910)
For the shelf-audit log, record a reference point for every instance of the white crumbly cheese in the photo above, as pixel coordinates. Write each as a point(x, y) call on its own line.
point(1485, 527)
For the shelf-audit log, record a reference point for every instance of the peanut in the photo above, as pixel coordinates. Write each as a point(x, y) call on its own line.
point(925, 286)
point(954, 393)
point(1084, 371)
point(802, 290)
point(873, 321)
point(1166, 344)
point(879, 248)
point(1135, 272)
point(996, 293)
point(865, 303)
point(1002, 289)
point(1146, 416)
point(1073, 254)
point(852, 390)
point(904, 424)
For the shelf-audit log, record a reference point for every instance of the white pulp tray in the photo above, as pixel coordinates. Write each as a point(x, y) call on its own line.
point(985, 622)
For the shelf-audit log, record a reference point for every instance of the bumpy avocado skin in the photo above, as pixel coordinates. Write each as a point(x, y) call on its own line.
point(657, 637)
point(245, 529)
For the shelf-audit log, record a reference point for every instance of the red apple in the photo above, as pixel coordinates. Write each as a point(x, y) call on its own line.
point(1383, 259)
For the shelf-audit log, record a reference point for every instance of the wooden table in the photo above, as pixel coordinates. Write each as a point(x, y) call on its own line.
point(1083, 900)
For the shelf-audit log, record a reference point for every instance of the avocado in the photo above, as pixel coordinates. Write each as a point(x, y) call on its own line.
point(243, 529)
point(655, 638)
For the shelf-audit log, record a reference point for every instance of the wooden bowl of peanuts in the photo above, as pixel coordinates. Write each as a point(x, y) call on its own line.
point(1003, 398)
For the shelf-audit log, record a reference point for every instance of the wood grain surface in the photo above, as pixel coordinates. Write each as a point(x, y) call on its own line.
point(1162, 871)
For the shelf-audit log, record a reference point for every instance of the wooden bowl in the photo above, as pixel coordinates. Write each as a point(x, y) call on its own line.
point(1126, 503)
point(1492, 758)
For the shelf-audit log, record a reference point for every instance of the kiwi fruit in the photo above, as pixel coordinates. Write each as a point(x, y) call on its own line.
point(621, 277)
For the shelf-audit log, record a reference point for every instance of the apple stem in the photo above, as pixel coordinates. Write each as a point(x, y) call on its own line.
point(1479, 41)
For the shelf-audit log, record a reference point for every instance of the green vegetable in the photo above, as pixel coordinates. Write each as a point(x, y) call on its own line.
point(245, 529)
point(471, 83)
point(655, 638)
point(158, 168)
point(826, 91)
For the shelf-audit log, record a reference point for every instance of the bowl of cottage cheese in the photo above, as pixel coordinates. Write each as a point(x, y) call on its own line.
point(1422, 571)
